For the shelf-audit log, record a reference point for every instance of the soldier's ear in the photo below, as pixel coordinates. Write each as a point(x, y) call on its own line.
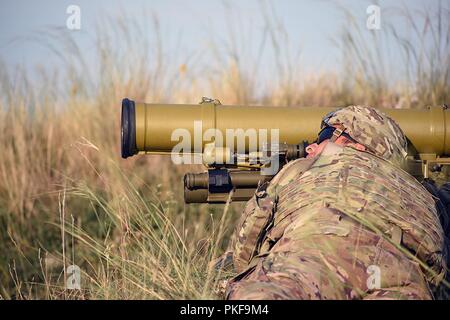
point(311, 148)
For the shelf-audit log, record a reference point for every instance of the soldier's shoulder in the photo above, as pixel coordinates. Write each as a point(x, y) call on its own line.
point(292, 170)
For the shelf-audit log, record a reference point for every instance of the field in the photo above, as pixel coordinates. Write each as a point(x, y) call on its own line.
point(66, 196)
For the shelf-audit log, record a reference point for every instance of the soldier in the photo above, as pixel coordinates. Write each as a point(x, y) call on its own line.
point(344, 223)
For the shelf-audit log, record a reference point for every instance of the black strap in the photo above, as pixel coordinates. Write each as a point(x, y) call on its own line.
point(442, 202)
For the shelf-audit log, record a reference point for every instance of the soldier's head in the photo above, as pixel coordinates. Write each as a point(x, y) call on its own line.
point(362, 128)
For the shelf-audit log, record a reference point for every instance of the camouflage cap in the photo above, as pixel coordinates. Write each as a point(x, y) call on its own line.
point(380, 134)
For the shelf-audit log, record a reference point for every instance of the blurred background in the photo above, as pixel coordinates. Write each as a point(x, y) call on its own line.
point(66, 197)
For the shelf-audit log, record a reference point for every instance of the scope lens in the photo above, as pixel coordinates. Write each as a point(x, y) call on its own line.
point(128, 129)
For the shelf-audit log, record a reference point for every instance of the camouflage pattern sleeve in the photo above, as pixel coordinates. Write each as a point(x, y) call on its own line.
point(258, 215)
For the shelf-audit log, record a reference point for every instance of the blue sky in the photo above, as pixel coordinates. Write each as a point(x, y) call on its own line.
point(310, 24)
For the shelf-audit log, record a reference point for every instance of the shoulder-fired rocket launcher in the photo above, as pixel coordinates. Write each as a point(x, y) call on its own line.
point(236, 143)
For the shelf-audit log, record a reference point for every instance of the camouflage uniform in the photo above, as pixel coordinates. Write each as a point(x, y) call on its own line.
point(325, 227)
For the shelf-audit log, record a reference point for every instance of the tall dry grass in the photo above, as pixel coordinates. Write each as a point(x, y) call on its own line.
point(67, 198)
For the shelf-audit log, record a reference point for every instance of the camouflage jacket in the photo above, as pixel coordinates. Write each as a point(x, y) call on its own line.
point(367, 189)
